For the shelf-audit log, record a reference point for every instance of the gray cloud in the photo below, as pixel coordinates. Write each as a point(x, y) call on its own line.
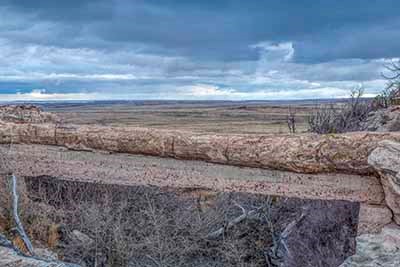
point(227, 49)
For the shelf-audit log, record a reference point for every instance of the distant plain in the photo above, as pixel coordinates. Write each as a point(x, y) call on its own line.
point(255, 117)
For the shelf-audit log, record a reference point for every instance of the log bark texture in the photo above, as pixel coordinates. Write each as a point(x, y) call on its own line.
point(301, 153)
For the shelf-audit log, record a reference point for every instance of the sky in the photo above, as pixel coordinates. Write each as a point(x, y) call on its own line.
point(195, 50)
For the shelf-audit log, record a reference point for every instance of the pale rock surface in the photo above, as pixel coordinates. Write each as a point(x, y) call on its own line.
point(386, 160)
point(10, 258)
point(383, 120)
point(376, 250)
point(46, 254)
point(372, 218)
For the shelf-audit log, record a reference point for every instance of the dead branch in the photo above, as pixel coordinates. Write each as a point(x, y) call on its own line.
point(245, 215)
point(393, 67)
point(291, 120)
point(19, 226)
point(276, 253)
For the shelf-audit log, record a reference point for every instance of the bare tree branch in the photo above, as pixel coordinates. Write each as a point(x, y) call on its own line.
point(19, 226)
point(245, 215)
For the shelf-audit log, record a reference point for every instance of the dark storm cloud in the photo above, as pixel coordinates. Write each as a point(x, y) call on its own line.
point(221, 48)
point(224, 29)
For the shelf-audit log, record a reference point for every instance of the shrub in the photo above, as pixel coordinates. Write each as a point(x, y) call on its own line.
point(340, 118)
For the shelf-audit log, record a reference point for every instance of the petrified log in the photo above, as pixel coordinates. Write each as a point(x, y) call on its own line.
point(302, 153)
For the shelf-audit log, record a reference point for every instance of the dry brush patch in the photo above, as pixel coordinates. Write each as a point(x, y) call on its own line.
point(108, 225)
point(146, 226)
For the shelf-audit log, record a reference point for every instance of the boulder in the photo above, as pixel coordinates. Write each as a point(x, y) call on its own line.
point(383, 120)
point(375, 250)
point(386, 160)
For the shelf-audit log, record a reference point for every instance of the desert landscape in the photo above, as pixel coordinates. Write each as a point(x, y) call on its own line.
point(243, 117)
point(213, 133)
point(212, 190)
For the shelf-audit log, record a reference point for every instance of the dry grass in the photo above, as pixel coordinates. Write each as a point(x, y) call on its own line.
point(232, 118)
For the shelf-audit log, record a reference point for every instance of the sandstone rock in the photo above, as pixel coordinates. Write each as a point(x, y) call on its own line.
point(384, 120)
point(25, 114)
point(375, 250)
point(373, 218)
point(303, 153)
point(386, 160)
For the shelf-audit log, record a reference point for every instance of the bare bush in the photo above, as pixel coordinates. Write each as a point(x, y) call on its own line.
point(340, 118)
point(150, 227)
point(291, 119)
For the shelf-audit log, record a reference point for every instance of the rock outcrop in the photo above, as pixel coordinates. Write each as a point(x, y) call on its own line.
point(26, 114)
point(375, 250)
point(383, 120)
point(386, 160)
point(303, 153)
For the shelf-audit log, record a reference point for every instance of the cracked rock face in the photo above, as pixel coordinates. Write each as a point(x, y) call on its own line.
point(386, 160)
point(377, 250)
